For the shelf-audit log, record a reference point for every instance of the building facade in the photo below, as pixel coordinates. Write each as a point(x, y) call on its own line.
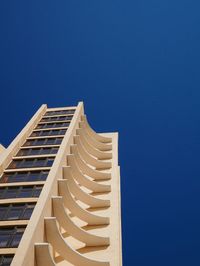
point(60, 193)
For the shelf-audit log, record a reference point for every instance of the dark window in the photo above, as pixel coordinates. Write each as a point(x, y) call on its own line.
point(16, 239)
point(27, 213)
point(4, 240)
point(10, 236)
point(1, 192)
point(34, 151)
point(20, 192)
point(5, 260)
point(3, 212)
point(53, 125)
point(29, 163)
point(11, 212)
point(24, 176)
point(25, 192)
point(14, 212)
point(56, 118)
point(46, 141)
point(60, 112)
point(50, 141)
point(38, 141)
point(49, 132)
point(36, 192)
point(37, 151)
point(9, 193)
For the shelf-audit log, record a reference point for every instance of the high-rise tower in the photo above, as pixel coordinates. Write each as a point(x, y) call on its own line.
point(60, 193)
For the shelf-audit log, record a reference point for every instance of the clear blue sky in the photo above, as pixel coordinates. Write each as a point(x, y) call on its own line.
point(136, 65)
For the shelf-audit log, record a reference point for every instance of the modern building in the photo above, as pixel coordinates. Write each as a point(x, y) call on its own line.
point(60, 193)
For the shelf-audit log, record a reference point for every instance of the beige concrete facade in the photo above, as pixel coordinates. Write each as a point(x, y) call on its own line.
point(76, 219)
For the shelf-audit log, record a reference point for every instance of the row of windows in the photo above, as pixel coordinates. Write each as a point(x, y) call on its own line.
point(20, 192)
point(5, 260)
point(60, 112)
point(53, 132)
point(10, 212)
point(53, 125)
point(37, 151)
point(29, 163)
point(39, 142)
point(27, 176)
point(11, 236)
point(56, 118)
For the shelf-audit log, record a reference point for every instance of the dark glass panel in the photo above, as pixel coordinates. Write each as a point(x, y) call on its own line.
point(45, 133)
point(2, 191)
point(4, 240)
point(58, 141)
point(25, 192)
point(6, 236)
point(53, 125)
point(38, 141)
point(50, 141)
point(45, 150)
point(49, 162)
point(16, 239)
point(44, 175)
point(24, 176)
point(25, 163)
point(10, 193)
point(34, 151)
point(54, 150)
point(6, 260)
point(28, 212)
point(37, 191)
point(3, 212)
point(70, 111)
point(15, 212)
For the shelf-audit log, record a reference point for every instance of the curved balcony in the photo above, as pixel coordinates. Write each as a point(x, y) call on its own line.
point(83, 180)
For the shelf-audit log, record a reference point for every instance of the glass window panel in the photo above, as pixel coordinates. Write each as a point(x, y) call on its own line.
point(6, 260)
point(5, 236)
point(3, 212)
point(45, 151)
point(2, 191)
point(43, 176)
point(37, 191)
point(16, 239)
point(50, 141)
point(34, 151)
point(54, 150)
point(28, 212)
point(39, 162)
point(25, 192)
point(58, 141)
point(39, 141)
point(33, 176)
point(62, 131)
point(26, 163)
point(45, 133)
point(15, 212)
point(49, 162)
point(10, 193)
point(19, 177)
point(4, 240)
